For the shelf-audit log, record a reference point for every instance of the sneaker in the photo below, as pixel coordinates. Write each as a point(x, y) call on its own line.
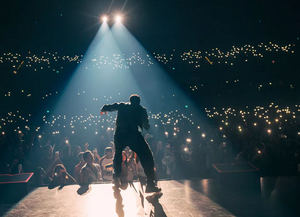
point(153, 198)
point(152, 188)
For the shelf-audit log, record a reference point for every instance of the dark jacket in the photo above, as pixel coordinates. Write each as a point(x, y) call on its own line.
point(130, 117)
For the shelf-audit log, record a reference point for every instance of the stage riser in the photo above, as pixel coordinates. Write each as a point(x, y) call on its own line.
point(13, 187)
point(240, 176)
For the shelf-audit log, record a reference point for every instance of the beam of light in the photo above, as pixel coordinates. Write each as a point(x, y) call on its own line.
point(98, 75)
point(159, 88)
point(151, 80)
point(162, 93)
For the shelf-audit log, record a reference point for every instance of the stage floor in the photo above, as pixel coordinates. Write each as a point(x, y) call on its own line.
point(188, 198)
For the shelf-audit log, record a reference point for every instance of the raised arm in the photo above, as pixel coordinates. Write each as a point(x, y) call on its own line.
point(110, 108)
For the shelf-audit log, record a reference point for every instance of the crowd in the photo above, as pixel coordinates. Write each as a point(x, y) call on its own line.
point(266, 134)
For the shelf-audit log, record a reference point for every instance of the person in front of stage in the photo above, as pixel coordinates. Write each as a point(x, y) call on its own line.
point(90, 172)
point(61, 177)
point(79, 166)
point(106, 164)
point(132, 118)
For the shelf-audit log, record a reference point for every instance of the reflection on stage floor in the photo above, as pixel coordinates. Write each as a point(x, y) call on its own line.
point(203, 198)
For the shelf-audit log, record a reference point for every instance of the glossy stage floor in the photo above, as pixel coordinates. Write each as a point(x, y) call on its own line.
point(186, 198)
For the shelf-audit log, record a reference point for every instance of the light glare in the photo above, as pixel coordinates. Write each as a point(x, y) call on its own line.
point(104, 19)
point(118, 18)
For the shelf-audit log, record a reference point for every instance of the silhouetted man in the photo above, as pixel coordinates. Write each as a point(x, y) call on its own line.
point(132, 117)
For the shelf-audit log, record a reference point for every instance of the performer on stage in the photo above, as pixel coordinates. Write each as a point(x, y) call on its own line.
point(132, 118)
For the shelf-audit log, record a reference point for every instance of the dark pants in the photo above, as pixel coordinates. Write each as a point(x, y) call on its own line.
point(136, 142)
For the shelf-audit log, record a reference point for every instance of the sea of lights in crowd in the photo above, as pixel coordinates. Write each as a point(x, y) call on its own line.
point(55, 61)
point(254, 132)
point(264, 132)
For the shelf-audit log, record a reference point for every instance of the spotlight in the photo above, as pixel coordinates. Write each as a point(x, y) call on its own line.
point(118, 18)
point(104, 18)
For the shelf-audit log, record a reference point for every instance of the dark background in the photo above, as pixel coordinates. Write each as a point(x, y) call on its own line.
point(70, 25)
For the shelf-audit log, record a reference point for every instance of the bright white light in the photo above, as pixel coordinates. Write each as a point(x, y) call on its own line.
point(67, 141)
point(188, 140)
point(118, 18)
point(104, 19)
